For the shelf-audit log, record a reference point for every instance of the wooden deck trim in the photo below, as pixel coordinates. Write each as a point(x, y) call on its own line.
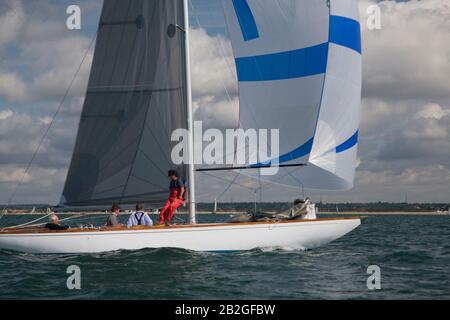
point(24, 231)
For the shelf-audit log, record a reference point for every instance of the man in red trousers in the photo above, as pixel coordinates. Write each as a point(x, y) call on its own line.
point(176, 198)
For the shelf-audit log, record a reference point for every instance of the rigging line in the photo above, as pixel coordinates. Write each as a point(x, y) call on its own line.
point(226, 180)
point(157, 142)
point(82, 215)
point(260, 185)
point(32, 223)
point(119, 154)
point(96, 194)
point(230, 68)
point(229, 186)
point(140, 138)
point(298, 181)
point(271, 184)
point(146, 181)
point(152, 162)
point(51, 122)
point(28, 223)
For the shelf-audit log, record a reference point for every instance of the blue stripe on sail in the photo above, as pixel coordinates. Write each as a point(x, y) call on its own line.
point(298, 153)
point(246, 20)
point(306, 149)
point(350, 143)
point(284, 65)
point(345, 32)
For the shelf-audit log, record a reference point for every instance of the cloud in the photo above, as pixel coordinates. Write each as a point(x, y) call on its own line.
point(214, 81)
point(50, 72)
point(404, 139)
point(404, 129)
point(213, 70)
point(14, 175)
point(5, 115)
point(432, 111)
point(12, 18)
point(21, 134)
point(410, 56)
point(394, 137)
point(44, 74)
point(38, 186)
point(12, 87)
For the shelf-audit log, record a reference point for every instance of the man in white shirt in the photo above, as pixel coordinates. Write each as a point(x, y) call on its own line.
point(139, 218)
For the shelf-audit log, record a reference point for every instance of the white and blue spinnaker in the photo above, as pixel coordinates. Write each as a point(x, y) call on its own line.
point(299, 70)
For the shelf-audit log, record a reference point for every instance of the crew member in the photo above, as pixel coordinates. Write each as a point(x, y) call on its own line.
point(176, 198)
point(54, 225)
point(139, 218)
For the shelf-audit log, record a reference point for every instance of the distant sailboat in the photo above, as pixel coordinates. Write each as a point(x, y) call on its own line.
point(215, 207)
point(299, 70)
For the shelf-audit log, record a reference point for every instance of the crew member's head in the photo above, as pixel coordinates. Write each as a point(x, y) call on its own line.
point(140, 207)
point(173, 174)
point(115, 209)
point(53, 219)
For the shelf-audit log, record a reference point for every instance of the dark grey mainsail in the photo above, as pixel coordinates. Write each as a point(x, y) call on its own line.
point(135, 99)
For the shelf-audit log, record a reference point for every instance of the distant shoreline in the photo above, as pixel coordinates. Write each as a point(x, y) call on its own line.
point(386, 213)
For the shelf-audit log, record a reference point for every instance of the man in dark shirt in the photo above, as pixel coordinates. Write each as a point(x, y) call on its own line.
point(176, 198)
point(113, 218)
point(54, 224)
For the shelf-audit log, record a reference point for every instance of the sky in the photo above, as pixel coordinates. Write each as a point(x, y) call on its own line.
point(404, 137)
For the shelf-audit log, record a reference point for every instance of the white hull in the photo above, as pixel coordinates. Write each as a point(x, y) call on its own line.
point(214, 237)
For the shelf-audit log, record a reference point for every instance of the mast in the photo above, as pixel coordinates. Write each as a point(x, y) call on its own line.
point(190, 116)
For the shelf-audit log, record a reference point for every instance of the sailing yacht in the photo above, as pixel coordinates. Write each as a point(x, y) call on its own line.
point(298, 66)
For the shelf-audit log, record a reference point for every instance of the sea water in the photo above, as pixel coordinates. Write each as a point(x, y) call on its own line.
point(411, 252)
